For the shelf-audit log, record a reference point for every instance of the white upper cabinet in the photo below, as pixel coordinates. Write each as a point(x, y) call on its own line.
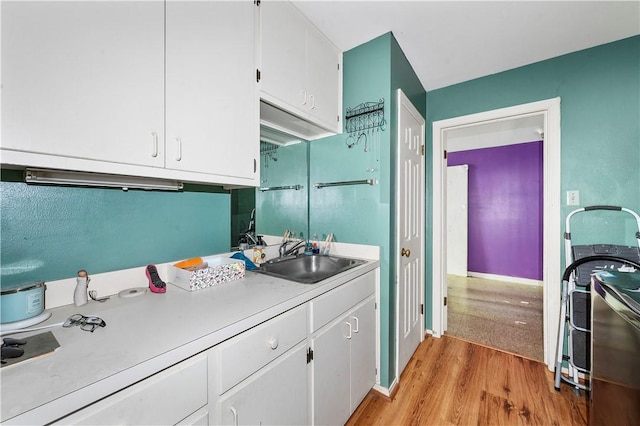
point(300, 72)
point(84, 80)
point(211, 88)
point(92, 86)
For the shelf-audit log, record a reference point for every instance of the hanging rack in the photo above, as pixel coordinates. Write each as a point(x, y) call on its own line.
point(366, 116)
point(269, 151)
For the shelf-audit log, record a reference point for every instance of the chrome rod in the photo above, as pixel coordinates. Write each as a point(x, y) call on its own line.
point(280, 188)
point(347, 182)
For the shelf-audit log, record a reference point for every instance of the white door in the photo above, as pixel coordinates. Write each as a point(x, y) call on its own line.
point(457, 219)
point(409, 229)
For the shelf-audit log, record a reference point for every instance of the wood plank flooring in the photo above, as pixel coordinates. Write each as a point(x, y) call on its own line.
point(449, 381)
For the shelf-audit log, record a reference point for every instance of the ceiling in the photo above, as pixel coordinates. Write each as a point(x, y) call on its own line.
point(449, 42)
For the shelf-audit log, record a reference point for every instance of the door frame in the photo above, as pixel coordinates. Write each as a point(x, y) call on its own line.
point(551, 256)
point(403, 99)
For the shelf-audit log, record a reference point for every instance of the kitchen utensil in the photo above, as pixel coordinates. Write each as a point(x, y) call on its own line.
point(21, 301)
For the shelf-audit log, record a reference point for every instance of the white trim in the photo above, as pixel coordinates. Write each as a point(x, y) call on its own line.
point(386, 391)
point(506, 278)
point(551, 257)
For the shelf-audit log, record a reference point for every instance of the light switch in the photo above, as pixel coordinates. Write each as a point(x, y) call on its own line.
point(573, 198)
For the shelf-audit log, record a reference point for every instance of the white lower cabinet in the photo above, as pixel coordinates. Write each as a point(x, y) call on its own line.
point(177, 395)
point(343, 369)
point(312, 364)
point(276, 395)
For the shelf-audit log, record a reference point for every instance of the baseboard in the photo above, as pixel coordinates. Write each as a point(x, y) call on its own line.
point(517, 280)
point(386, 393)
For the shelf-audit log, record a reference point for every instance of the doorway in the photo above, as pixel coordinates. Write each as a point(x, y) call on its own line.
point(549, 112)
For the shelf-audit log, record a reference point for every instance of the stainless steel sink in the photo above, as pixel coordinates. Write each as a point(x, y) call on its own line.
point(308, 269)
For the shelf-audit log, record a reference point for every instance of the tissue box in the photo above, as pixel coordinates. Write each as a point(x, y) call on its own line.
point(220, 270)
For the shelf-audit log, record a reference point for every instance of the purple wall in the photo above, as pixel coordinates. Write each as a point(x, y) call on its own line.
point(505, 209)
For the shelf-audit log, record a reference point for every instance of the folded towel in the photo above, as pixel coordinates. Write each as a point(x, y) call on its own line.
point(249, 265)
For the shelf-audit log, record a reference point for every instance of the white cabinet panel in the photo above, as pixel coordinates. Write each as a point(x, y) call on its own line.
point(363, 351)
point(84, 79)
point(84, 88)
point(343, 369)
point(166, 398)
point(330, 374)
point(276, 395)
point(284, 49)
point(243, 355)
point(323, 80)
point(212, 104)
point(300, 69)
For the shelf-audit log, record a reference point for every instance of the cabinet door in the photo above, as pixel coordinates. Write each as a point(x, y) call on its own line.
point(330, 374)
point(283, 46)
point(275, 395)
point(363, 351)
point(84, 79)
point(323, 80)
point(212, 103)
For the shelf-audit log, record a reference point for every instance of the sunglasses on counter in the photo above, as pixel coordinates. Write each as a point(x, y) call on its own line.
point(86, 323)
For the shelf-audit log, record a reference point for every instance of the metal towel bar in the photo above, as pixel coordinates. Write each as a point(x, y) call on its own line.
point(280, 188)
point(347, 182)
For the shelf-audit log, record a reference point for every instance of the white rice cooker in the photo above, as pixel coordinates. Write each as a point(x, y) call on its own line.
point(22, 305)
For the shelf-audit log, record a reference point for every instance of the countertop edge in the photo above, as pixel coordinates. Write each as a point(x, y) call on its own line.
point(84, 396)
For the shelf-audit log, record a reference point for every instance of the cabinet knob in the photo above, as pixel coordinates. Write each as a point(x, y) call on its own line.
point(273, 344)
point(405, 252)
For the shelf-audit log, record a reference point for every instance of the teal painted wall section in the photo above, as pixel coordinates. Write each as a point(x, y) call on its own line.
point(363, 213)
point(279, 210)
point(48, 233)
point(359, 213)
point(600, 109)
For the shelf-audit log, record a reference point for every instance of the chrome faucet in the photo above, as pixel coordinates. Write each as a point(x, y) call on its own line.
point(283, 248)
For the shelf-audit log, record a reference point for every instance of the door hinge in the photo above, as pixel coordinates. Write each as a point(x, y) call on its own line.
point(338, 67)
point(422, 309)
point(257, 76)
point(375, 306)
point(445, 154)
point(255, 165)
point(309, 355)
point(256, 2)
point(445, 301)
point(422, 149)
point(338, 118)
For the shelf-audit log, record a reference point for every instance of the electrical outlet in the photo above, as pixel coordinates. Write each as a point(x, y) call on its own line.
point(573, 198)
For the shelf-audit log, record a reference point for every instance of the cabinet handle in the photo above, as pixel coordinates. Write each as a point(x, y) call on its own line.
point(348, 325)
point(154, 153)
point(273, 344)
point(304, 97)
point(313, 101)
point(179, 156)
point(235, 415)
point(357, 324)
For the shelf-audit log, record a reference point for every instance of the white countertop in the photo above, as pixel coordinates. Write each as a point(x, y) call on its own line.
point(143, 335)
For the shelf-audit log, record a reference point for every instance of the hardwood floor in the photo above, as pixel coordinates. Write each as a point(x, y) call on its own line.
point(449, 381)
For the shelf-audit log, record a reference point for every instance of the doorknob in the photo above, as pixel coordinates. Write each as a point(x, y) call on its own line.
point(405, 252)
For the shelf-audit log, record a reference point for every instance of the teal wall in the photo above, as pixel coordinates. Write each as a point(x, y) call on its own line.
point(50, 232)
point(279, 210)
point(600, 125)
point(362, 213)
